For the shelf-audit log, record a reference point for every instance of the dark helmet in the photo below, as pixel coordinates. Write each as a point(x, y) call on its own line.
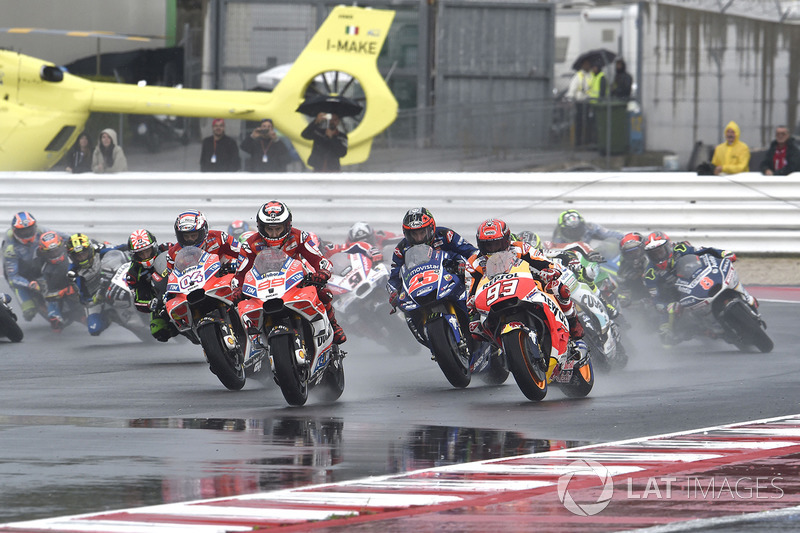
point(658, 248)
point(191, 228)
point(361, 232)
point(270, 217)
point(143, 246)
point(493, 236)
point(632, 245)
point(572, 225)
point(51, 247)
point(419, 227)
point(531, 238)
point(237, 228)
point(23, 224)
point(80, 250)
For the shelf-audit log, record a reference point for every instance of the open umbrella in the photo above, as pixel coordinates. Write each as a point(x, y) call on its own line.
point(599, 56)
point(339, 105)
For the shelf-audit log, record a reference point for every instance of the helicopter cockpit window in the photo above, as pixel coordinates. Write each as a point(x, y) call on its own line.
point(61, 137)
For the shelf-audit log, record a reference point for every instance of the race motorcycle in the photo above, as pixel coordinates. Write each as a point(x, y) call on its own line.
point(713, 304)
point(601, 332)
point(529, 326)
point(434, 303)
point(112, 293)
point(284, 317)
point(8, 320)
point(359, 286)
point(592, 268)
point(199, 303)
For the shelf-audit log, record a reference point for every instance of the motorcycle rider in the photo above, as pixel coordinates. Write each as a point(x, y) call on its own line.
point(141, 279)
point(274, 220)
point(21, 267)
point(631, 269)
point(529, 237)
point(237, 228)
point(85, 271)
point(419, 227)
point(494, 236)
point(572, 227)
point(660, 278)
point(191, 229)
point(61, 293)
point(370, 242)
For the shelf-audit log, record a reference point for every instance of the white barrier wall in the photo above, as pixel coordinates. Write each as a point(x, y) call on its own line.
point(748, 213)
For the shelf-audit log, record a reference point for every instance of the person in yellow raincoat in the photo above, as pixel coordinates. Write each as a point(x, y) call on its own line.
point(732, 156)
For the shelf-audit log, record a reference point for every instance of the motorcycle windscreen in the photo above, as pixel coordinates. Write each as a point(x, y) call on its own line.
point(270, 260)
point(500, 263)
point(686, 266)
point(419, 254)
point(187, 257)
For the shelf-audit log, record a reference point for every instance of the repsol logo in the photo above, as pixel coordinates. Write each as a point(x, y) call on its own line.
point(346, 45)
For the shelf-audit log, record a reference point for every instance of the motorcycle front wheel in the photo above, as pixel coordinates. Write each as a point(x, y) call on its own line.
point(746, 324)
point(291, 377)
point(524, 360)
point(582, 381)
point(227, 367)
point(447, 354)
point(8, 326)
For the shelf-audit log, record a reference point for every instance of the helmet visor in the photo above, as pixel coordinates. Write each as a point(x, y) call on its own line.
point(495, 245)
point(25, 234)
point(54, 255)
point(419, 235)
point(190, 238)
point(82, 257)
point(659, 254)
point(142, 256)
point(273, 231)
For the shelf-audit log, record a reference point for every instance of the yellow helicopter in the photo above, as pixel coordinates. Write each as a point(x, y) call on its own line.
point(43, 109)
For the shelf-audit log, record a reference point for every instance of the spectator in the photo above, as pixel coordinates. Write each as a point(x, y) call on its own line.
point(79, 159)
point(621, 86)
point(267, 151)
point(732, 156)
point(108, 156)
point(783, 156)
point(330, 143)
point(578, 92)
point(219, 152)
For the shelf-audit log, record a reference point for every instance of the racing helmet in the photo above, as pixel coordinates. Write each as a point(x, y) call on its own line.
point(237, 228)
point(658, 248)
point(572, 225)
point(531, 238)
point(51, 247)
point(191, 228)
point(632, 246)
point(419, 227)
point(493, 236)
point(143, 247)
point(24, 227)
point(274, 221)
point(80, 250)
point(361, 231)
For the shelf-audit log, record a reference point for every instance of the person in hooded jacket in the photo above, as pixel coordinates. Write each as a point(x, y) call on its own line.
point(108, 156)
point(732, 156)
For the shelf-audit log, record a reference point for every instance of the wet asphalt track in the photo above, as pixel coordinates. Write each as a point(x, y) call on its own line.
point(90, 424)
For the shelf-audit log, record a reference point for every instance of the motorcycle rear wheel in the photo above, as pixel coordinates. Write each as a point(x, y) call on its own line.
point(581, 383)
point(8, 326)
point(446, 352)
point(523, 360)
point(332, 385)
point(229, 372)
point(293, 386)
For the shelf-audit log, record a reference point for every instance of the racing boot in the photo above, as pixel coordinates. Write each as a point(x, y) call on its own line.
point(338, 333)
point(28, 310)
point(578, 350)
point(56, 322)
point(750, 299)
point(562, 294)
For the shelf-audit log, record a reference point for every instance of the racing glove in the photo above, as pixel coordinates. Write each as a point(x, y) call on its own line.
point(394, 299)
point(34, 286)
point(727, 254)
point(318, 278)
point(547, 275)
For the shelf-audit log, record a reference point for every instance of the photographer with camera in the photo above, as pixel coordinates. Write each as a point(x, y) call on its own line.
point(267, 152)
point(330, 143)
